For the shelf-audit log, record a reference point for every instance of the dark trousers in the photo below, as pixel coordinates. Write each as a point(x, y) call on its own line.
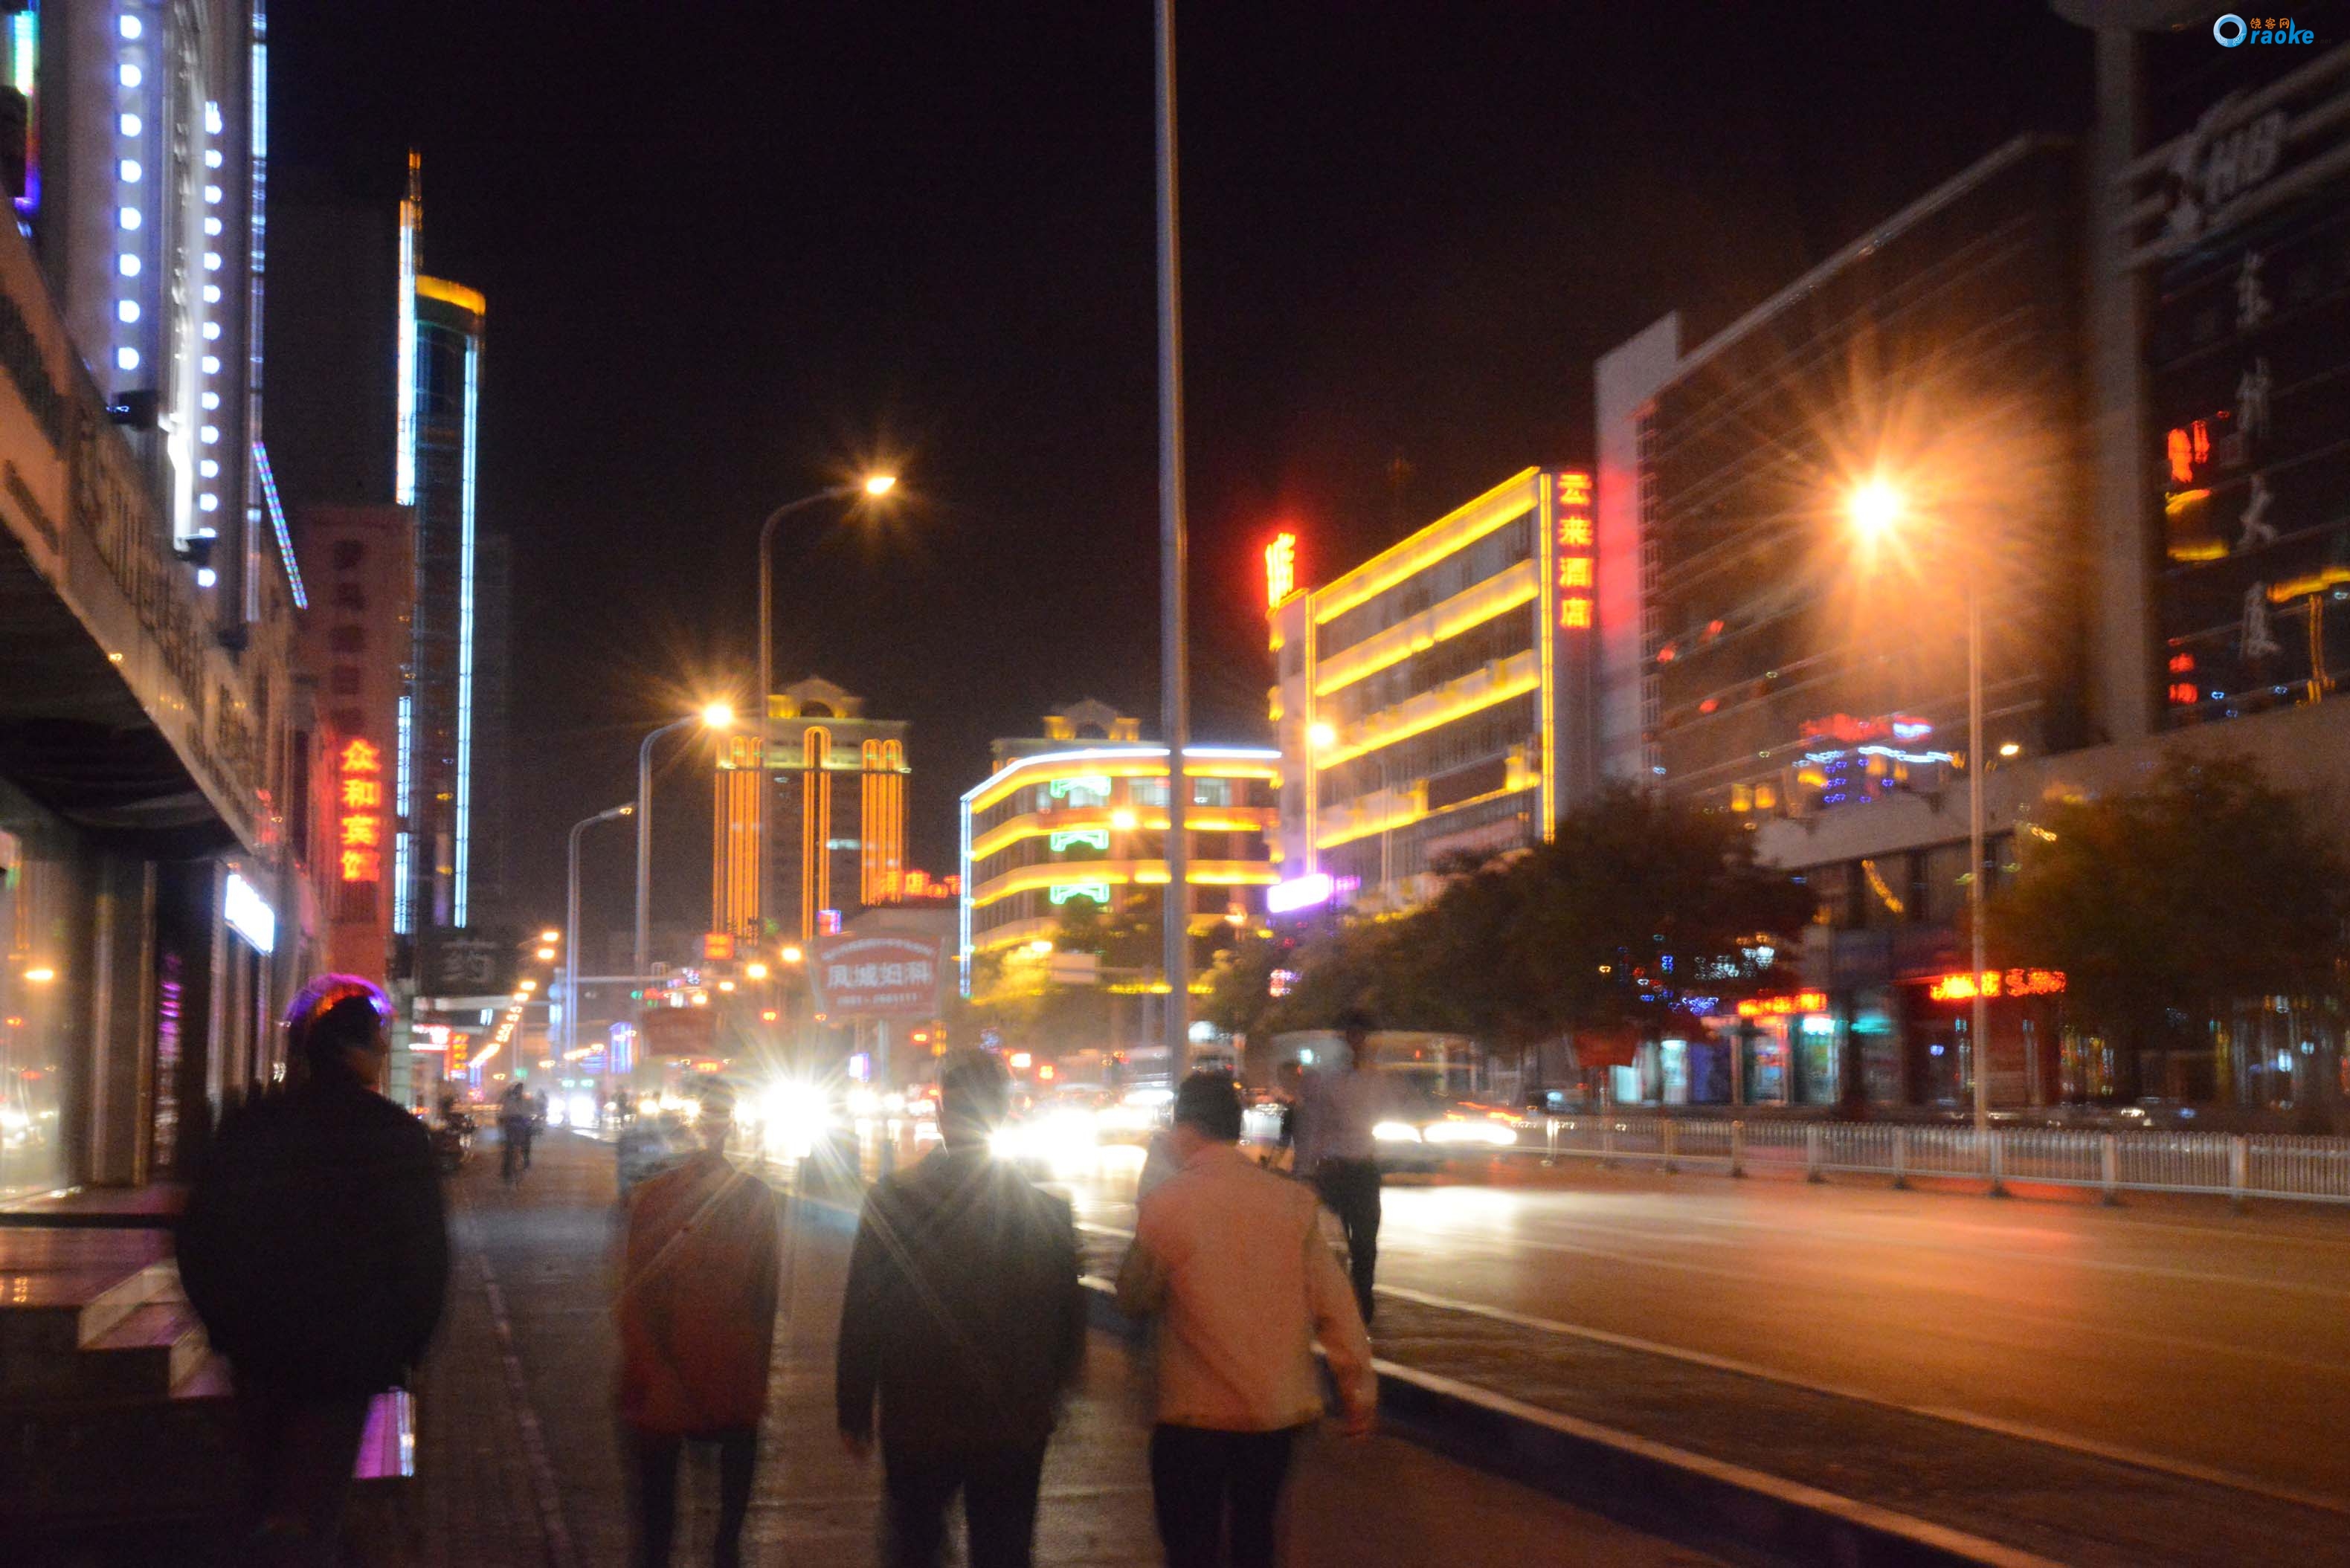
point(299, 1452)
point(657, 1454)
point(514, 1158)
point(1211, 1488)
point(1351, 1189)
point(999, 1502)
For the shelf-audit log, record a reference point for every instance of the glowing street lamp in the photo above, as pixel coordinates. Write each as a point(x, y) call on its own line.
point(871, 487)
point(881, 483)
point(1877, 509)
point(791, 955)
point(755, 971)
point(550, 935)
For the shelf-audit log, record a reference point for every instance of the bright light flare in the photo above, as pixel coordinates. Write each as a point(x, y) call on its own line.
point(1492, 1134)
point(550, 935)
point(755, 971)
point(719, 715)
point(881, 483)
point(1876, 508)
point(546, 954)
point(1394, 1132)
point(1322, 734)
point(797, 1116)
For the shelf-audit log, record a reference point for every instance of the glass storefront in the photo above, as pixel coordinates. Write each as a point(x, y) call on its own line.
point(44, 915)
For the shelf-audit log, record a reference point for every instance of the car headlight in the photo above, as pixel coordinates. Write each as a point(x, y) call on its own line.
point(1396, 1132)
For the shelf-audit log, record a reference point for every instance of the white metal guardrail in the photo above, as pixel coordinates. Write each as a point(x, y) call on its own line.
point(2237, 1166)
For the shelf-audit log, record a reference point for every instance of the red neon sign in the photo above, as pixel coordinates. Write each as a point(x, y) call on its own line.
point(1783, 1006)
point(359, 795)
point(1280, 568)
point(1575, 567)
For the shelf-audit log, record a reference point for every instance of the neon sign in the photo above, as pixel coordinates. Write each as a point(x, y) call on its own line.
point(1300, 893)
point(1280, 568)
point(1783, 1006)
point(1095, 837)
point(360, 797)
point(1998, 982)
point(1575, 565)
point(1098, 891)
point(1091, 783)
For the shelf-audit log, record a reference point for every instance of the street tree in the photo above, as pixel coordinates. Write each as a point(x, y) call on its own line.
point(2166, 905)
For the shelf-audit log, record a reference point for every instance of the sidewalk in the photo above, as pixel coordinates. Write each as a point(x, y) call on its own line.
point(482, 1496)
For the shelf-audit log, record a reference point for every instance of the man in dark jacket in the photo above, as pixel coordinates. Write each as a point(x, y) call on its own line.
point(963, 1314)
point(315, 1249)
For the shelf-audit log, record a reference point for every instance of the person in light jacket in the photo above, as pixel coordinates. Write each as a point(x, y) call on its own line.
point(1229, 1257)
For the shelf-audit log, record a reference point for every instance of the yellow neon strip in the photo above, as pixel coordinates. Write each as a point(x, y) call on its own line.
point(1462, 612)
point(2198, 550)
point(1139, 768)
point(1454, 532)
point(2315, 583)
point(1120, 873)
point(1517, 786)
point(455, 294)
point(1032, 825)
point(1520, 676)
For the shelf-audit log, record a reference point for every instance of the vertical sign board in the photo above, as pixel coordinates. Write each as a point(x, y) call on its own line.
point(1569, 561)
point(2241, 224)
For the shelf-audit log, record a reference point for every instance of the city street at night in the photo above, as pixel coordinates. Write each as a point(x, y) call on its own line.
point(1697, 667)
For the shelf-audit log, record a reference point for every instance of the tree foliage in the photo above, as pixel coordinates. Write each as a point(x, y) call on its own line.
point(2165, 904)
point(1640, 914)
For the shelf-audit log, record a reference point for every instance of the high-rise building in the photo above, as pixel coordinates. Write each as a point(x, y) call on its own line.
point(1438, 699)
point(811, 829)
point(1077, 817)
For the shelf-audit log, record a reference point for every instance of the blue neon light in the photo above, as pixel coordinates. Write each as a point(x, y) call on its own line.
point(277, 522)
point(465, 629)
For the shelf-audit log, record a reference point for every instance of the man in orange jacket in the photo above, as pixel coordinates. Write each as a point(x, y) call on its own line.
point(697, 1318)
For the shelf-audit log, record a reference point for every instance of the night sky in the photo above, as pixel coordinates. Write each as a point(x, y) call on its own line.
point(730, 251)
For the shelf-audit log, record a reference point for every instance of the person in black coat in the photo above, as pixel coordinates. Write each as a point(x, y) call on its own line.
point(964, 1318)
point(315, 1250)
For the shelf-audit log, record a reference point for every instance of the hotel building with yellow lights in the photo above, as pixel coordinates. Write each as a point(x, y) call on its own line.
point(1437, 699)
point(1080, 815)
point(816, 827)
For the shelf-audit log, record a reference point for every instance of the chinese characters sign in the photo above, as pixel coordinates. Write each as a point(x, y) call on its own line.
point(1998, 982)
point(358, 798)
point(1574, 557)
point(879, 976)
point(1783, 1006)
point(1280, 569)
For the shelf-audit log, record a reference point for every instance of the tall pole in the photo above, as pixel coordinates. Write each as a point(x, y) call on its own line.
point(645, 838)
point(571, 929)
point(1175, 687)
point(1979, 772)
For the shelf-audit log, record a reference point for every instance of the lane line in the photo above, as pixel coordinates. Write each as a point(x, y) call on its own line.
point(2185, 1468)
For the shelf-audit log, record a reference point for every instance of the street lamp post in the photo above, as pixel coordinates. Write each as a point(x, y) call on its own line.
point(571, 926)
point(717, 716)
point(873, 484)
point(1876, 508)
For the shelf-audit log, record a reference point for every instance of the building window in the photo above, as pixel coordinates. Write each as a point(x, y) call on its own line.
point(348, 640)
point(350, 555)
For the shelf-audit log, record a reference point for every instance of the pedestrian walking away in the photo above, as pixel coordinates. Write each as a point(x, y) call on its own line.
point(965, 1319)
point(1338, 1150)
point(516, 1113)
point(699, 1281)
point(315, 1250)
point(1230, 1258)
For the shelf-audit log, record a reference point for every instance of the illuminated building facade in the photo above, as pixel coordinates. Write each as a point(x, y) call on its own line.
point(815, 831)
point(435, 459)
point(1078, 816)
point(1438, 699)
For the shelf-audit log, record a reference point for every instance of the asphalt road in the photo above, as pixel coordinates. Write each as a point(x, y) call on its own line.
point(2174, 1331)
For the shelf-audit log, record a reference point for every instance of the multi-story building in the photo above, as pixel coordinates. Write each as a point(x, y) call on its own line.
point(810, 819)
point(1438, 699)
point(147, 888)
point(1078, 816)
point(2109, 378)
